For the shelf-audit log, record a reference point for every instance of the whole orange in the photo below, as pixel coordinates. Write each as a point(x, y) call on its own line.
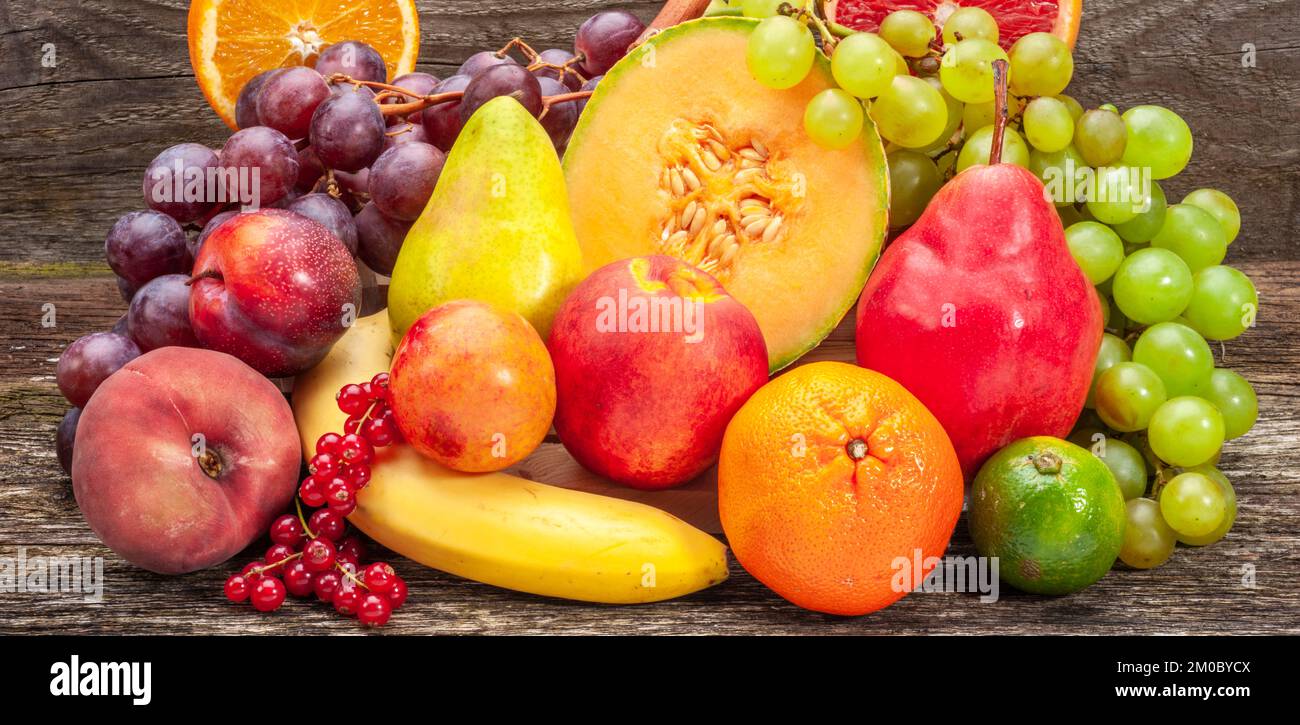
point(833, 482)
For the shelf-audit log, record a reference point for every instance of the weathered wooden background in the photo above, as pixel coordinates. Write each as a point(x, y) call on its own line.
point(74, 140)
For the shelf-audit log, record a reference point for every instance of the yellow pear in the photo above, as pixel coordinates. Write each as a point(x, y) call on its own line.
point(497, 227)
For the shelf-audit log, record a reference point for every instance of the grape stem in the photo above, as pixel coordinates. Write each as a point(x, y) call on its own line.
point(422, 102)
point(1000, 110)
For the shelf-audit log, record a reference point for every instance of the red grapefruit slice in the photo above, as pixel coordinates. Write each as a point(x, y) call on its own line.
point(1015, 17)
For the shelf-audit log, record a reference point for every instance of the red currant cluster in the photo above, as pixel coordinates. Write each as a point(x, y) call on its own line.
point(316, 555)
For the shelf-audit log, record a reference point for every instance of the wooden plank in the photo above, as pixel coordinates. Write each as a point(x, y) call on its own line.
point(75, 140)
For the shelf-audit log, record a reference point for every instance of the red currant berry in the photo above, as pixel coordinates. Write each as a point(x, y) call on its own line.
point(237, 588)
point(344, 508)
point(347, 557)
point(278, 553)
point(328, 524)
point(379, 577)
point(337, 491)
point(353, 399)
point(379, 384)
point(312, 492)
point(369, 390)
point(318, 554)
point(352, 425)
point(328, 443)
point(324, 465)
point(356, 449)
point(374, 610)
point(325, 584)
point(287, 530)
point(297, 579)
point(353, 547)
point(346, 600)
point(358, 476)
point(397, 592)
point(268, 594)
point(252, 570)
point(378, 431)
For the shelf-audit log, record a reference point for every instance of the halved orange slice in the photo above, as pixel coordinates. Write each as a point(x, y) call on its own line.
point(233, 40)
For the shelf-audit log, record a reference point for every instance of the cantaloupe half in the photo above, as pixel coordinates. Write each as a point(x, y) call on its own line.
point(681, 152)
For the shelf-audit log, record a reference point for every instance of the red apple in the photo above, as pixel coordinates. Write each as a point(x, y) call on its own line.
point(183, 457)
point(652, 358)
point(273, 288)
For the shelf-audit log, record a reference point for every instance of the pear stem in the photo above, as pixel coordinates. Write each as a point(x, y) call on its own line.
point(999, 110)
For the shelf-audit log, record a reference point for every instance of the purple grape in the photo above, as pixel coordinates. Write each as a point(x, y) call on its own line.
point(197, 245)
point(337, 88)
point(590, 85)
point(405, 133)
point(125, 289)
point(352, 58)
point(483, 60)
point(421, 84)
point(560, 118)
point(332, 214)
point(603, 39)
point(88, 361)
point(503, 80)
point(348, 132)
point(402, 179)
point(309, 170)
point(442, 122)
point(160, 314)
point(246, 105)
point(289, 98)
point(169, 182)
point(558, 56)
point(145, 244)
point(66, 438)
point(121, 327)
point(379, 239)
point(261, 163)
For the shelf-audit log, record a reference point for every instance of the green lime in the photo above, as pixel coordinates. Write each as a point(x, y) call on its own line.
point(1051, 512)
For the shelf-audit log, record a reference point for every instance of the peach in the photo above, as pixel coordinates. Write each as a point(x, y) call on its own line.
point(472, 386)
point(652, 358)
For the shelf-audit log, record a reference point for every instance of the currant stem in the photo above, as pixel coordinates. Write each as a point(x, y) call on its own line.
point(351, 576)
point(297, 502)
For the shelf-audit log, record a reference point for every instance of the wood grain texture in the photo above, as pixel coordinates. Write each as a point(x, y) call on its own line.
point(75, 138)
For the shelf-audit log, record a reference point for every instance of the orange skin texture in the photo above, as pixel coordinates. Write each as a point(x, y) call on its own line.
point(812, 523)
point(473, 387)
point(648, 409)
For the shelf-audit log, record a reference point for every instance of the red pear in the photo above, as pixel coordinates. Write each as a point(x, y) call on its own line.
point(980, 311)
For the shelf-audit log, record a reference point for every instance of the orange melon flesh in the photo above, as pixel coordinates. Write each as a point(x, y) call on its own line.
point(681, 121)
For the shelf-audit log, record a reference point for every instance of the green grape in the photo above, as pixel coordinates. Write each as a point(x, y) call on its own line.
point(1105, 310)
point(910, 112)
point(1041, 65)
point(1178, 355)
point(1141, 228)
point(908, 31)
point(1109, 108)
point(1119, 322)
point(1229, 517)
point(1186, 431)
point(1236, 401)
point(1118, 194)
point(970, 23)
point(1127, 394)
point(1138, 439)
point(1047, 124)
point(1113, 350)
point(1100, 136)
point(1152, 285)
point(977, 115)
point(1148, 540)
point(1127, 465)
point(967, 69)
point(1157, 138)
point(1223, 303)
point(760, 8)
point(833, 118)
point(1068, 214)
point(900, 64)
point(975, 151)
point(780, 52)
point(1221, 206)
point(1076, 110)
point(913, 181)
point(1096, 249)
point(863, 65)
point(954, 109)
point(1194, 235)
point(1193, 504)
point(1055, 170)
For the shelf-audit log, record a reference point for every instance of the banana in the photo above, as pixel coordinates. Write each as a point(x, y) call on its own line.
point(501, 529)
